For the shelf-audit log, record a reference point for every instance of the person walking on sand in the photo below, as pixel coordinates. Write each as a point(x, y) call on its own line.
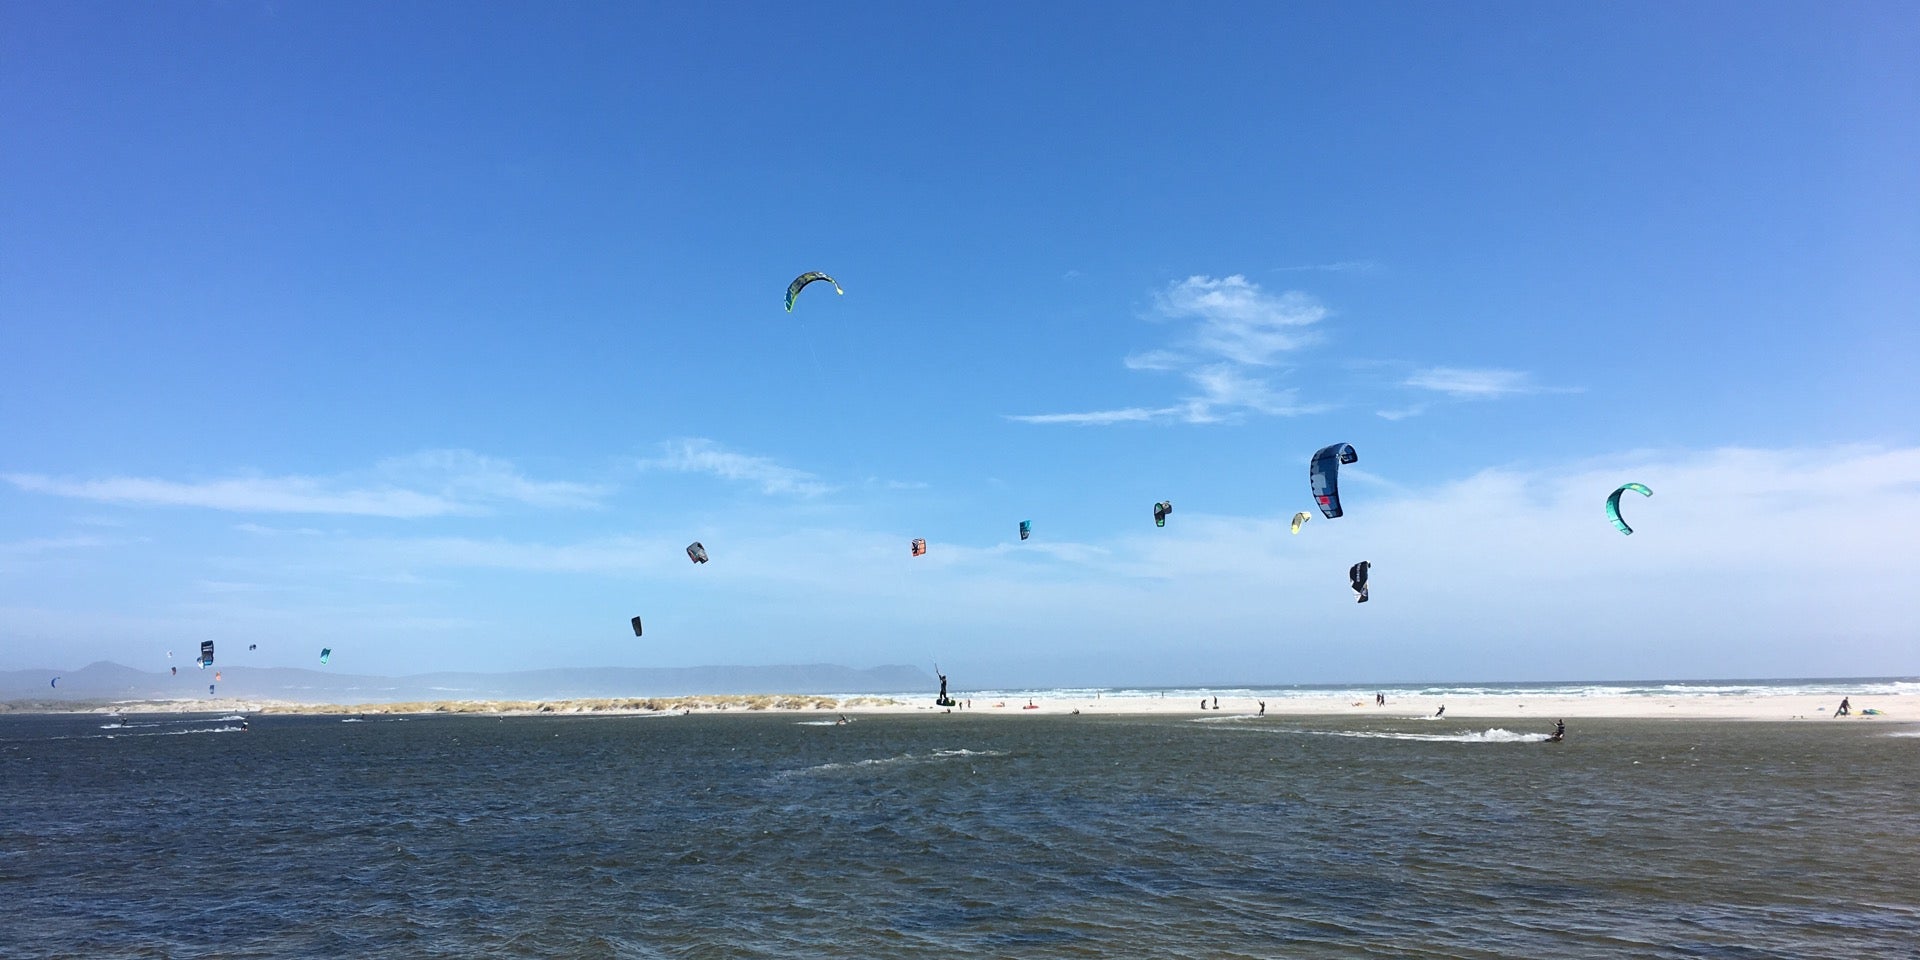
point(1846, 708)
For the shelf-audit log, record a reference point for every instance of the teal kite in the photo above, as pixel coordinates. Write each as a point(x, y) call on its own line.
point(793, 289)
point(1613, 505)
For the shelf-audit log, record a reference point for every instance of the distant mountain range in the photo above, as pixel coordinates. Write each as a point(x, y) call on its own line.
point(112, 681)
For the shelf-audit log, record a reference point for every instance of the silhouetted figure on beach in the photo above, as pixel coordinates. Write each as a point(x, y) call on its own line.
point(1437, 714)
point(1216, 703)
point(1203, 703)
point(1846, 708)
point(1379, 699)
point(1263, 708)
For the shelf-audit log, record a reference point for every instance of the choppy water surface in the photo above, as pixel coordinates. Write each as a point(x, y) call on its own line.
point(911, 836)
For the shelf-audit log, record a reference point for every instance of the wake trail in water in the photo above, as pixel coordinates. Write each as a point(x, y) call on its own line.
point(1491, 735)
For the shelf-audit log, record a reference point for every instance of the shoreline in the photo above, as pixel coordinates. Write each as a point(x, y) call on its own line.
point(1891, 707)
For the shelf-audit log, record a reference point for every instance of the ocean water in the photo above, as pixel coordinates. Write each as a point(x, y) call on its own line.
point(965, 835)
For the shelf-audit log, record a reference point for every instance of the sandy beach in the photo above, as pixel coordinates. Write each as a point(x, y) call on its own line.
point(1890, 707)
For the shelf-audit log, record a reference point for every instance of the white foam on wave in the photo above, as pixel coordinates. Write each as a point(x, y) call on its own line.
point(904, 758)
point(1490, 735)
point(1226, 719)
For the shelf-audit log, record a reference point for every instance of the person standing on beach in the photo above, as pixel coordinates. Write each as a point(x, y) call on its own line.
point(1216, 703)
point(1846, 708)
point(1263, 708)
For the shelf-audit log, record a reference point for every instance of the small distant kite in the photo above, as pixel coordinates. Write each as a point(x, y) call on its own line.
point(1160, 512)
point(696, 552)
point(176, 670)
point(1324, 473)
point(1300, 520)
point(1026, 529)
point(1358, 575)
point(209, 689)
point(326, 653)
point(1613, 505)
point(206, 654)
point(216, 675)
point(55, 683)
point(636, 626)
point(253, 646)
point(919, 547)
point(799, 282)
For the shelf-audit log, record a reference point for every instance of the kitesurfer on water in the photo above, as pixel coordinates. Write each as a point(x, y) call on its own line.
point(1559, 731)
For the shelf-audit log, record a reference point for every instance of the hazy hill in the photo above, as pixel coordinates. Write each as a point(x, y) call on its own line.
point(111, 681)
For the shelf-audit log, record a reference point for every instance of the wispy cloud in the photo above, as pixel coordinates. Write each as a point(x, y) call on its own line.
point(698, 455)
point(265, 531)
point(1233, 331)
point(1234, 319)
point(470, 477)
point(44, 544)
point(1098, 417)
point(1337, 266)
point(1464, 383)
point(429, 484)
point(246, 495)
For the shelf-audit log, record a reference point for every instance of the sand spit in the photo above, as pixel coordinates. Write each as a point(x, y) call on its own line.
point(1892, 708)
point(599, 705)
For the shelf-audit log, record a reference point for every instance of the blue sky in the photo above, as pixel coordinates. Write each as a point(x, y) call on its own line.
point(433, 332)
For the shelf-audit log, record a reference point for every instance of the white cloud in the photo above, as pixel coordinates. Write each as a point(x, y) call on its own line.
point(1225, 386)
point(44, 544)
point(1235, 330)
point(1463, 383)
point(1782, 562)
point(1098, 417)
point(1337, 266)
point(455, 482)
point(1235, 320)
point(470, 477)
point(697, 455)
point(265, 531)
point(247, 495)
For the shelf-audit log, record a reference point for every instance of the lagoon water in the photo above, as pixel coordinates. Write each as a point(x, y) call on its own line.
point(784, 835)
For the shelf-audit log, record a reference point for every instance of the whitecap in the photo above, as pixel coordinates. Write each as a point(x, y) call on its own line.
point(1490, 735)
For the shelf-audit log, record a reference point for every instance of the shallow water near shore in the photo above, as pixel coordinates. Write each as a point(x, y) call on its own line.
point(955, 835)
